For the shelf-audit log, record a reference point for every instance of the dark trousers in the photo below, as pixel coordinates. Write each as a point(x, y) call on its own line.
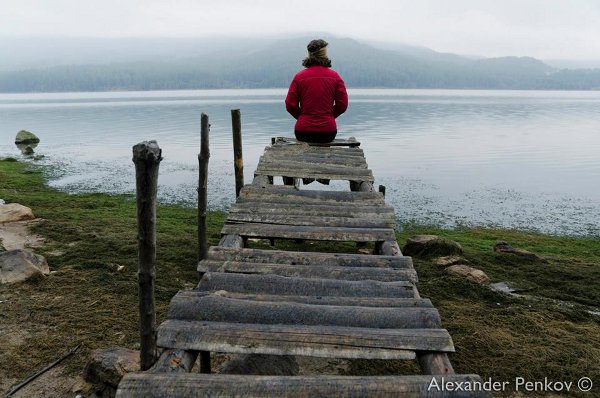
point(318, 138)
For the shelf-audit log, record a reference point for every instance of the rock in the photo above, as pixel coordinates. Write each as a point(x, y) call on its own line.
point(429, 245)
point(26, 149)
point(108, 366)
point(26, 137)
point(449, 260)
point(20, 265)
point(15, 212)
point(472, 274)
point(261, 364)
point(504, 247)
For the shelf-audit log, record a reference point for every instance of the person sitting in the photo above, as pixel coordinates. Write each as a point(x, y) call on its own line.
point(316, 97)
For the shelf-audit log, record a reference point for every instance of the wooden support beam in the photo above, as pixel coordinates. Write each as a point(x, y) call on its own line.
point(361, 186)
point(203, 157)
point(175, 361)
point(236, 126)
point(147, 157)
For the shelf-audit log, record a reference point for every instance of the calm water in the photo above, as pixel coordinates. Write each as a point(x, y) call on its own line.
point(527, 160)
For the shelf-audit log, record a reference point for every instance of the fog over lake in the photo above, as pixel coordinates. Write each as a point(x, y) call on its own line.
point(515, 159)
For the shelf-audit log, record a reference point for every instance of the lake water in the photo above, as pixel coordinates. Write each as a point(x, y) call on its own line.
point(515, 159)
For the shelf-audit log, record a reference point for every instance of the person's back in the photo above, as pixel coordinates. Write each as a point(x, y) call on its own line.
point(317, 95)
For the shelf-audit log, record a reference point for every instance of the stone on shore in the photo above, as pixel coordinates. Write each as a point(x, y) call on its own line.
point(447, 261)
point(15, 212)
point(108, 366)
point(431, 245)
point(472, 274)
point(26, 137)
point(20, 265)
point(504, 247)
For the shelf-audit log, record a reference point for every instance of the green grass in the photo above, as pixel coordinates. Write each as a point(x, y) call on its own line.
point(86, 300)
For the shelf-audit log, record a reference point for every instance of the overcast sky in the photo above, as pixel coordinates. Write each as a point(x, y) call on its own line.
point(547, 29)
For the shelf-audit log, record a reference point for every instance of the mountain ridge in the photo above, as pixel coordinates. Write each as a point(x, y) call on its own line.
point(268, 63)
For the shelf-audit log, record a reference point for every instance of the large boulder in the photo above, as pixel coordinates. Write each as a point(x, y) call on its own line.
point(430, 245)
point(26, 137)
point(108, 366)
point(15, 212)
point(472, 274)
point(20, 265)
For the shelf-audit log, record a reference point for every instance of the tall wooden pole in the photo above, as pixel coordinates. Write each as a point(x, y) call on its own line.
point(203, 157)
point(236, 126)
point(147, 157)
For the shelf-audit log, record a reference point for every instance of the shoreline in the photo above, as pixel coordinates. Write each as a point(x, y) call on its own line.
point(90, 297)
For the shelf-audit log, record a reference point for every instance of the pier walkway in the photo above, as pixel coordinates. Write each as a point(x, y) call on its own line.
point(329, 305)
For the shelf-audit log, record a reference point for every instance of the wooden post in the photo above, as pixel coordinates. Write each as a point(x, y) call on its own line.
point(203, 157)
point(147, 157)
point(236, 126)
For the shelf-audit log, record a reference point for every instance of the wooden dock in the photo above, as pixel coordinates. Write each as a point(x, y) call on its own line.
point(329, 305)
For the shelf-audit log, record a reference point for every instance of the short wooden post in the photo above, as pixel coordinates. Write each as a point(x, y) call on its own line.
point(203, 157)
point(147, 157)
point(238, 161)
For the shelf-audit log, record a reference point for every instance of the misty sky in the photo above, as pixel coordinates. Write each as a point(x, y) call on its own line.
point(547, 29)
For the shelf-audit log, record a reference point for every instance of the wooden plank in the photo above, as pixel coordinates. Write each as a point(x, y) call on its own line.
point(326, 157)
point(246, 386)
point(328, 174)
point(308, 258)
point(315, 300)
point(273, 284)
point(330, 209)
point(282, 141)
point(259, 230)
point(316, 162)
point(311, 271)
point(216, 308)
point(315, 341)
point(318, 197)
point(326, 221)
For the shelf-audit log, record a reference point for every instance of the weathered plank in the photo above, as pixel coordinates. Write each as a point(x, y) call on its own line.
point(246, 386)
point(351, 142)
point(216, 308)
point(311, 271)
point(316, 341)
point(308, 258)
point(259, 230)
point(314, 209)
point(325, 221)
point(273, 284)
point(283, 192)
point(322, 165)
point(316, 300)
point(326, 158)
point(317, 174)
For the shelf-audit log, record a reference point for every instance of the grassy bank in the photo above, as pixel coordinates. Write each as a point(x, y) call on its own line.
point(87, 300)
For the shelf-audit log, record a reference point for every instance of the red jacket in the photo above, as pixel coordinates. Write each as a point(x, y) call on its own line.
point(316, 97)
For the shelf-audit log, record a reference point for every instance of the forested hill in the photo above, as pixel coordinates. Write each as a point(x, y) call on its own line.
point(229, 63)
